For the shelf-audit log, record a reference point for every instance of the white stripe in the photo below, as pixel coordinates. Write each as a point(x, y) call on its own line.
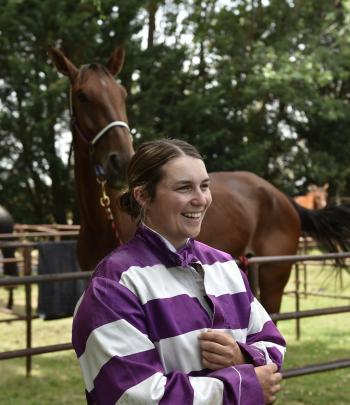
point(182, 352)
point(149, 391)
point(159, 282)
point(223, 278)
point(238, 334)
point(207, 390)
point(258, 317)
point(117, 338)
point(263, 345)
point(78, 304)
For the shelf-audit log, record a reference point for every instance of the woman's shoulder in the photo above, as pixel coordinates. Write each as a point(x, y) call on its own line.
point(210, 254)
point(131, 254)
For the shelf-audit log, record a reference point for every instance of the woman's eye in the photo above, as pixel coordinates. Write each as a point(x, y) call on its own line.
point(184, 188)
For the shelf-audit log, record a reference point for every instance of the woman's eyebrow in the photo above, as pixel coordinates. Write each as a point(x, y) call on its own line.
point(182, 182)
point(185, 182)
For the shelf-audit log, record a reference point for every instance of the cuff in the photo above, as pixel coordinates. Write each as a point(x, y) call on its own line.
point(252, 354)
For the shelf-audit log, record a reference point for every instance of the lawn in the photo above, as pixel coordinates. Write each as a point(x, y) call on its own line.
point(56, 377)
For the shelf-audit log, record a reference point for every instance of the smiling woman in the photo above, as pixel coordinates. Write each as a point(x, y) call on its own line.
point(165, 318)
point(182, 185)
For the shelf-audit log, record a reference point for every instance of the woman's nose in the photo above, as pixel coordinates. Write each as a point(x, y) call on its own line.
point(200, 197)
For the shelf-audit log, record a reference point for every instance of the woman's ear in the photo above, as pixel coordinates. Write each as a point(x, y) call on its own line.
point(140, 196)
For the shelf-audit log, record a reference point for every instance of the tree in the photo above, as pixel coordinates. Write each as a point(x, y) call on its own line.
point(35, 182)
point(261, 86)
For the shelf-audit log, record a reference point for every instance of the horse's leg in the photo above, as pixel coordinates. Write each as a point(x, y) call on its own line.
point(253, 278)
point(273, 278)
point(10, 298)
point(277, 235)
point(10, 269)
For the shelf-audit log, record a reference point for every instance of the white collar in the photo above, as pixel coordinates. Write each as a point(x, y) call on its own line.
point(168, 244)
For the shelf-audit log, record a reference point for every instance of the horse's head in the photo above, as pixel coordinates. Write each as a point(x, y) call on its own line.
point(99, 120)
point(320, 195)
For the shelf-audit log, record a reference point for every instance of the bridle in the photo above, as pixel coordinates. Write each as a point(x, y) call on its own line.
point(99, 171)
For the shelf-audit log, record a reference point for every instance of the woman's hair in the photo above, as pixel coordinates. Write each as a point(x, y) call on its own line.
point(145, 169)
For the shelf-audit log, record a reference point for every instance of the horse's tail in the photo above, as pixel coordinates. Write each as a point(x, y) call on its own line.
point(329, 226)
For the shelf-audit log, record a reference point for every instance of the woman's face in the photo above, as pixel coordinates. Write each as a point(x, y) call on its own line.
point(181, 200)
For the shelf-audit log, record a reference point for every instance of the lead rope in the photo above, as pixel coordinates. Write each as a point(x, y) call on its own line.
point(105, 203)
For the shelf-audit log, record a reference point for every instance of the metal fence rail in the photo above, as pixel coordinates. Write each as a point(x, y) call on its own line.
point(27, 280)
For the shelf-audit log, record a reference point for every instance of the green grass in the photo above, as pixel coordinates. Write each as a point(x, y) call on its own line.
point(323, 338)
point(56, 377)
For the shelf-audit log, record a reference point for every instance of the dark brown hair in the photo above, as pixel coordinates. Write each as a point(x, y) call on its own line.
point(145, 169)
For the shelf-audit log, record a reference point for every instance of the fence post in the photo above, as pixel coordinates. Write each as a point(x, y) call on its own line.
point(297, 300)
point(28, 298)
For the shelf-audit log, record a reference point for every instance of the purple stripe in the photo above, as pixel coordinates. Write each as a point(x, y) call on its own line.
point(122, 373)
point(226, 306)
point(178, 390)
point(219, 318)
point(276, 356)
point(269, 333)
point(146, 248)
point(134, 252)
point(174, 316)
point(208, 255)
point(105, 301)
point(251, 391)
point(165, 317)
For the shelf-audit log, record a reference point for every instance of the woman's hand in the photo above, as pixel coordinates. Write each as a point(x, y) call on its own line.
point(270, 381)
point(219, 350)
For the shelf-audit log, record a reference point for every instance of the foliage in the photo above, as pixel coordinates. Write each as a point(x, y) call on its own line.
point(35, 182)
point(261, 86)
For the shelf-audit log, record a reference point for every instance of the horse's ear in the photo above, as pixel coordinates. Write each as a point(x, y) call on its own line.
point(116, 61)
point(326, 186)
point(62, 63)
point(312, 187)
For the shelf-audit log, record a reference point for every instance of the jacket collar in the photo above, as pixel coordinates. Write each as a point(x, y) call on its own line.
point(181, 257)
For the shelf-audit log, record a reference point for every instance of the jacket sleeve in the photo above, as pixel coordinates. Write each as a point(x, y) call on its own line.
point(264, 344)
point(120, 363)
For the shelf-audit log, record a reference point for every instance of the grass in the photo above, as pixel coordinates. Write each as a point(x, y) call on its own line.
point(323, 338)
point(56, 377)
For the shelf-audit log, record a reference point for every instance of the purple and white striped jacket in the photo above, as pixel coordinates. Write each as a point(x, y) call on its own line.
point(136, 327)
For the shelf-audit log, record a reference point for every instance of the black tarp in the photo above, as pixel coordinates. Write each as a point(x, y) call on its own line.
point(57, 299)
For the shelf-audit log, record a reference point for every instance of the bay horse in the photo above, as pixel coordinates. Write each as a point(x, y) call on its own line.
point(9, 269)
point(315, 198)
point(248, 215)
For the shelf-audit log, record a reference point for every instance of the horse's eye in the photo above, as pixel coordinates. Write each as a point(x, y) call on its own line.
point(82, 97)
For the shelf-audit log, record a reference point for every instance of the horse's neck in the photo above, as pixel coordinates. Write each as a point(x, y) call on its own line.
point(96, 236)
point(88, 194)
